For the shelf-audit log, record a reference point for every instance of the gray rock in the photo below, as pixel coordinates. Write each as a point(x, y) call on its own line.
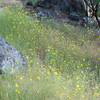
point(11, 60)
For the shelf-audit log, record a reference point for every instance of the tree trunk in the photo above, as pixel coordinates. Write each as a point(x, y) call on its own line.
point(96, 14)
point(97, 19)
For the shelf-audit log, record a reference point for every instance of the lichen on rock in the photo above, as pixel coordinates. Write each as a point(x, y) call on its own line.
point(11, 60)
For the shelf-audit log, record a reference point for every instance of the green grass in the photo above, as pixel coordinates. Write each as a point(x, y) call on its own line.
point(1, 1)
point(63, 60)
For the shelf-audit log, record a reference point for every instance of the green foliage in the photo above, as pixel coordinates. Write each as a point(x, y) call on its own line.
point(62, 59)
point(1, 1)
point(97, 1)
point(43, 84)
point(63, 51)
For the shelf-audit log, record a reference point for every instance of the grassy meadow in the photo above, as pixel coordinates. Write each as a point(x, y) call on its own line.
point(63, 60)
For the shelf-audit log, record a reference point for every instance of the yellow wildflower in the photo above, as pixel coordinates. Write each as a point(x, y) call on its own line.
point(38, 78)
point(21, 78)
point(56, 73)
point(30, 79)
point(48, 73)
point(17, 91)
point(17, 85)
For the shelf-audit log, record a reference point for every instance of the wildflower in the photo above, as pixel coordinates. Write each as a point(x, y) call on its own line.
point(83, 96)
point(48, 50)
point(78, 87)
point(38, 78)
point(59, 77)
point(56, 73)
point(84, 59)
point(17, 91)
point(21, 78)
point(17, 85)
point(30, 79)
point(81, 65)
point(37, 63)
point(48, 73)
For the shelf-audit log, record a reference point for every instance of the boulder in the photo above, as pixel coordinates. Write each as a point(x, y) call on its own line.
point(11, 60)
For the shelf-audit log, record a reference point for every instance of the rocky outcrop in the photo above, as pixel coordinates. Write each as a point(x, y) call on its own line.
point(11, 60)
